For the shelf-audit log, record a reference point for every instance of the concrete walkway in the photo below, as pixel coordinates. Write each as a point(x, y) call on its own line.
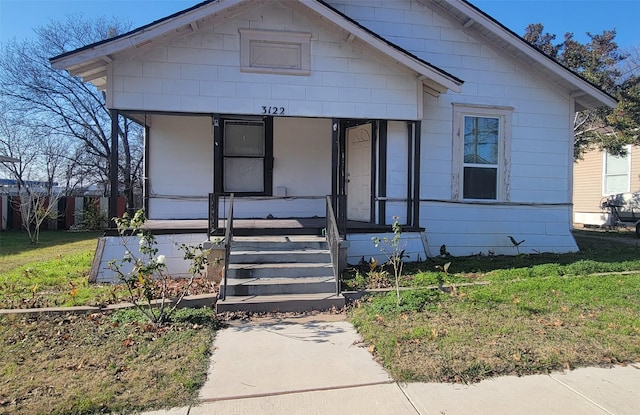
point(318, 365)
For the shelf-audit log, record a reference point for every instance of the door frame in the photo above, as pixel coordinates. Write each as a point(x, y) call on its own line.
point(372, 161)
point(379, 147)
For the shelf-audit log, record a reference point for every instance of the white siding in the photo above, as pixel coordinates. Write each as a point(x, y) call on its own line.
point(541, 134)
point(302, 156)
point(472, 229)
point(181, 168)
point(167, 245)
point(361, 246)
point(397, 152)
point(201, 73)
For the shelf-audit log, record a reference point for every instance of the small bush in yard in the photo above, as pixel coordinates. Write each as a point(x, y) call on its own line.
point(394, 250)
point(148, 280)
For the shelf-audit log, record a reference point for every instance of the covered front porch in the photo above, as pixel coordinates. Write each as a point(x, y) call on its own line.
point(280, 168)
point(291, 226)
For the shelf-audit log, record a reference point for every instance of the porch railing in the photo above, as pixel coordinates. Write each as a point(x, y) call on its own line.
point(228, 236)
point(334, 236)
point(214, 214)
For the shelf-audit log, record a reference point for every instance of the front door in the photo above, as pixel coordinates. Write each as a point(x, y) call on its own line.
point(359, 172)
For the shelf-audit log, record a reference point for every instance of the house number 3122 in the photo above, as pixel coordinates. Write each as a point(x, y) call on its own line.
point(272, 110)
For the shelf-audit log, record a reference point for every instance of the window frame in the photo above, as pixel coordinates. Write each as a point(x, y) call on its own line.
point(219, 182)
point(605, 175)
point(504, 115)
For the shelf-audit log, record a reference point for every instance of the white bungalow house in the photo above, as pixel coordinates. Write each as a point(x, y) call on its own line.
point(429, 111)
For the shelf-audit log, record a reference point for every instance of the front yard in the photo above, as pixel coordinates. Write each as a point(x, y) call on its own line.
point(88, 363)
point(533, 314)
point(491, 316)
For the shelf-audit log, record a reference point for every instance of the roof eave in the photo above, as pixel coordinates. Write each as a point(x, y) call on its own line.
point(91, 61)
point(592, 96)
point(141, 36)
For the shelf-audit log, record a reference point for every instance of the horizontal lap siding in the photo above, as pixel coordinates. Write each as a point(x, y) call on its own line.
point(397, 153)
point(540, 154)
point(167, 245)
point(302, 156)
point(201, 73)
point(361, 246)
point(587, 189)
point(293, 207)
point(181, 172)
point(474, 229)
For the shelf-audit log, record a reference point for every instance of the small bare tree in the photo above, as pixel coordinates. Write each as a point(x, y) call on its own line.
point(39, 158)
point(37, 204)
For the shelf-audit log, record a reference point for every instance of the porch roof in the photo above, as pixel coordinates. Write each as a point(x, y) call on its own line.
point(91, 62)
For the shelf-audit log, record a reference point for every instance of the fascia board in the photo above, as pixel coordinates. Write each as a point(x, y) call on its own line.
point(140, 37)
point(548, 63)
point(381, 46)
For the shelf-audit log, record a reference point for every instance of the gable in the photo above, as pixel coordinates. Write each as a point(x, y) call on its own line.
point(209, 71)
point(349, 21)
point(91, 62)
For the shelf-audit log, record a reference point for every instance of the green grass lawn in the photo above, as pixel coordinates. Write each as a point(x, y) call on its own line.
point(535, 314)
point(52, 273)
point(85, 364)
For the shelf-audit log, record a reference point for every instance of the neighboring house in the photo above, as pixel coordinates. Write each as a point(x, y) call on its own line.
point(601, 176)
point(430, 111)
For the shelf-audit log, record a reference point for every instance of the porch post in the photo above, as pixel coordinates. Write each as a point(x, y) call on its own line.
point(145, 173)
point(217, 154)
point(338, 196)
point(374, 143)
point(382, 173)
point(416, 173)
point(335, 156)
point(410, 171)
point(113, 167)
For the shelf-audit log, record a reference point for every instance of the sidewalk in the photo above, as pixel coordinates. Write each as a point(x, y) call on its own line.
point(317, 365)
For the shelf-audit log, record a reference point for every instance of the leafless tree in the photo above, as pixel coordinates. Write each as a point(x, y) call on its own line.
point(70, 108)
point(38, 157)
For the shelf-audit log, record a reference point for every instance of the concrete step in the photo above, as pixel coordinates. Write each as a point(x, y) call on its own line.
point(280, 303)
point(278, 243)
point(280, 270)
point(265, 256)
point(274, 286)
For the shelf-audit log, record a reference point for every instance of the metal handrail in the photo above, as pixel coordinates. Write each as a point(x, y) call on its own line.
point(214, 199)
point(332, 234)
point(228, 236)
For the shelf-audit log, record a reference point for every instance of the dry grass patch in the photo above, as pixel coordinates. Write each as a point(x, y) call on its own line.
point(102, 363)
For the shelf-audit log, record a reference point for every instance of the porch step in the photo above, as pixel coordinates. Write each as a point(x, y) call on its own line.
point(281, 303)
point(279, 286)
point(280, 256)
point(280, 270)
point(280, 273)
point(278, 243)
point(250, 231)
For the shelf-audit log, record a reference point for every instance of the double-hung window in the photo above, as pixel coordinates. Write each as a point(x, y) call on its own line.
point(481, 148)
point(616, 173)
point(246, 157)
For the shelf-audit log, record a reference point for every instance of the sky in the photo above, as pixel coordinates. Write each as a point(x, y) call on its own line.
point(18, 18)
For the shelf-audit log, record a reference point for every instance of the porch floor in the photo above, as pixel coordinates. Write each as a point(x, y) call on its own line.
point(291, 226)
